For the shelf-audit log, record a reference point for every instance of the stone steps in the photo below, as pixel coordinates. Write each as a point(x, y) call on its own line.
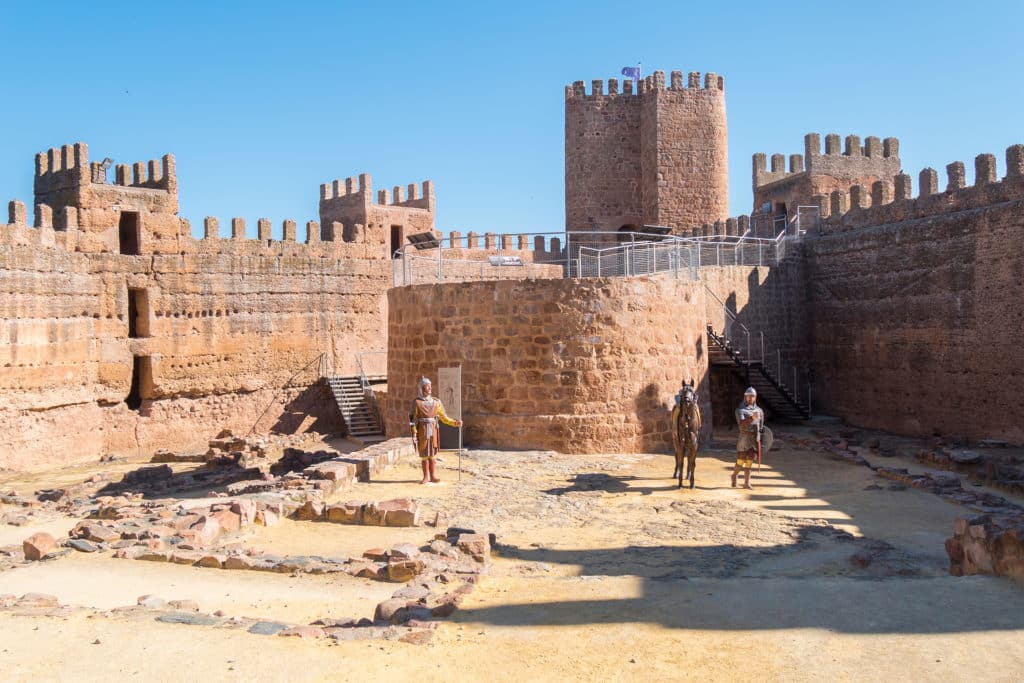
point(360, 418)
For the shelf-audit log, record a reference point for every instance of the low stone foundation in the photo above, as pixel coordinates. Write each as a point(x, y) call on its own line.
point(987, 544)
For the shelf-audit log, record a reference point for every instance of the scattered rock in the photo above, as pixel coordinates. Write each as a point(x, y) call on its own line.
point(400, 571)
point(189, 618)
point(303, 632)
point(417, 637)
point(151, 602)
point(267, 628)
point(474, 544)
point(82, 545)
point(37, 546)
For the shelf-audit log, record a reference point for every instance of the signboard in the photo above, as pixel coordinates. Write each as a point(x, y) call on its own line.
point(449, 390)
point(505, 260)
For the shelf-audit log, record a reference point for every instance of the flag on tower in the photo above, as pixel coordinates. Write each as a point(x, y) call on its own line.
point(632, 72)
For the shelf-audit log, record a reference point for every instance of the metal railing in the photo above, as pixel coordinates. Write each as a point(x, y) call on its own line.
point(371, 364)
point(806, 219)
point(587, 254)
point(774, 357)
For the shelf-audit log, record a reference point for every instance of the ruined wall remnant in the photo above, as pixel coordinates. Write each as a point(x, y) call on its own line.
point(582, 366)
point(658, 156)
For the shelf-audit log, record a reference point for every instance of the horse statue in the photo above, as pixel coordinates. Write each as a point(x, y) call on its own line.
point(685, 431)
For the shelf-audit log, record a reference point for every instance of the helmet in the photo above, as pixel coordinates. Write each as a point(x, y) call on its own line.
point(751, 391)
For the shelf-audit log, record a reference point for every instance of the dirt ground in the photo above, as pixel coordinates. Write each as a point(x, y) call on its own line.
point(603, 570)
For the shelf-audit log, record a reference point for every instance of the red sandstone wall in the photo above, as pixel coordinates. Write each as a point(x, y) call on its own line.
point(685, 153)
point(659, 156)
point(231, 322)
point(602, 162)
point(918, 310)
point(581, 366)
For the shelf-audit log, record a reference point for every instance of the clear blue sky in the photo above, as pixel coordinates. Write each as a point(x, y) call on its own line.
point(262, 102)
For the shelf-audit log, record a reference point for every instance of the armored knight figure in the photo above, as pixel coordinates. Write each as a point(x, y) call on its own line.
point(750, 419)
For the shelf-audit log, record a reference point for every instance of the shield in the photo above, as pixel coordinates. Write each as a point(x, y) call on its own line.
point(767, 439)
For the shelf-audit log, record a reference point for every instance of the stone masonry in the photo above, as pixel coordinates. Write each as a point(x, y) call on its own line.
point(658, 156)
point(120, 331)
point(582, 366)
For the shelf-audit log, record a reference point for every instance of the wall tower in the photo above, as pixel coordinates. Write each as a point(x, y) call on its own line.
point(655, 156)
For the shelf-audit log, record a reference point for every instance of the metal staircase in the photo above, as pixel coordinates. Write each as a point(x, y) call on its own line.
point(360, 417)
point(780, 398)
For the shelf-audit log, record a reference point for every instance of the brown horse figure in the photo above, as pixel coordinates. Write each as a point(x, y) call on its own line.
point(685, 432)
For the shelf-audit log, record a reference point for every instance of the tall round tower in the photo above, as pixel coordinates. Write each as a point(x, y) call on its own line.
point(657, 156)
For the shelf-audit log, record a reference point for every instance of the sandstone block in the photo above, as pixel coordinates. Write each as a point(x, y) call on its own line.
point(372, 515)
point(476, 545)
point(212, 561)
point(311, 511)
point(400, 512)
point(400, 571)
point(347, 513)
point(404, 551)
point(188, 557)
point(37, 546)
point(206, 530)
point(229, 521)
point(95, 532)
point(390, 610)
point(246, 511)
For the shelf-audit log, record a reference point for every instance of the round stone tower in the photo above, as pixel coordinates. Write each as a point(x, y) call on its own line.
point(656, 156)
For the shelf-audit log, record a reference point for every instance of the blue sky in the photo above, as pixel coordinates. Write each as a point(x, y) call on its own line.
point(262, 102)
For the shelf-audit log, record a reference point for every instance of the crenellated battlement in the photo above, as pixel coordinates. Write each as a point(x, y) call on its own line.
point(840, 159)
point(653, 152)
point(873, 147)
point(534, 248)
point(67, 168)
point(654, 82)
point(763, 176)
point(885, 202)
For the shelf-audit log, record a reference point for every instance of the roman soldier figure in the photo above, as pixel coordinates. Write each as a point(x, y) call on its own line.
point(426, 411)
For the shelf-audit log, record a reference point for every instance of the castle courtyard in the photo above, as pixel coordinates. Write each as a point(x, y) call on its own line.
point(598, 568)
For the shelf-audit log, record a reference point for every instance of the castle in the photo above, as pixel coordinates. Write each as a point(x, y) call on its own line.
point(123, 333)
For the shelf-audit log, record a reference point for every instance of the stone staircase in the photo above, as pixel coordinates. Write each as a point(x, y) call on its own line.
point(771, 391)
point(360, 417)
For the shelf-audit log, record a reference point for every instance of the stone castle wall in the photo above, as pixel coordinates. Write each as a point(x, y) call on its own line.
point(585, 366)
point(658, 156)
point(219, 331)
point(917, 306)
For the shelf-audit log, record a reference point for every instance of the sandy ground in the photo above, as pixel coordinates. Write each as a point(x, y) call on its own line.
point(604, 570)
